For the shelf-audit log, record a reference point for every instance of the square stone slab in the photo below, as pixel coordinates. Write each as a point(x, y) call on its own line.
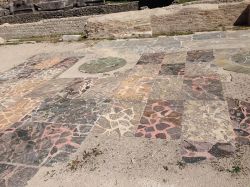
point(207, 121)
point(168, 88)
point(151, 58)
point(203, 88)
point(120, 119)
point(200, 56)
point(134, 88)
point(161, 119)
point(172, 69)
point(65, 110)
point(240, 115)
point(39, 143)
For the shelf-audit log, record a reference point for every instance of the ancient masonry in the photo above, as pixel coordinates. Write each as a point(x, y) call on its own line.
point(145, 23)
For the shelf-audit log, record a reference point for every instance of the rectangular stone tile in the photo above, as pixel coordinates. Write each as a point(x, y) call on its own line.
point(172, 69)
point(233, 60)
point(146, 70)
point(193, 151)
point(200, 56)
point(12, 92)
point(238, 87)
point(240, 116)
point(13, 176)
point(166, 44)
point(41, 66)
point(169, 88)
point(208, 35)
point(92, 88)
point(206, 69)
point(175, 58)
point(49, 89)
point(151, 58)
point(207, 121)
point(134, 88)
point(161, 119)
point(120, 119)
point(39, 143)
point(65, 110)
point(203, 88)
point(16, 112)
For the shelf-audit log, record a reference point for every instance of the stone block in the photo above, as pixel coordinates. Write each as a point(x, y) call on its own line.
point(71, 38)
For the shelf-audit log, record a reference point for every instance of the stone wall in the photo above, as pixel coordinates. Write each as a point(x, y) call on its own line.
point(75, 12)
point(44, 28)
point(201, 17)
point(169, 20)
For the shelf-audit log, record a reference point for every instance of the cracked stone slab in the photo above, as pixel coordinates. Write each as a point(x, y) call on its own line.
point(161, 119)
point(39, 143)
point(207, 121)
point(121, 118)
point(134, 88)
point(234, 60)
point(41, 66)
point(65, 110)
point(203, 88)
point(193, 151)
point(240, 116)
point(12, 176)
point(16, 112)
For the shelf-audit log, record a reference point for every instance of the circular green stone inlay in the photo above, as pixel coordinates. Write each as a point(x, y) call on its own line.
point(102, 65)
point(242, 58)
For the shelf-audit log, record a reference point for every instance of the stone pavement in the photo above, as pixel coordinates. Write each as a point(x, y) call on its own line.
point(194, 89)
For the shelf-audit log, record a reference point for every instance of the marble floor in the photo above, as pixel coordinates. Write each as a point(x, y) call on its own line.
point(194, 89)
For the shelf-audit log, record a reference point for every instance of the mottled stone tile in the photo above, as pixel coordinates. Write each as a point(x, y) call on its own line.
point(12, 92)
point(208, 35)
point(92, 88)
point(161, 119)
point(207, 121)
point(234, 60)
point(13, 176)
point(166, 44)
point(151, 58)
point(238, 87)
point(193, 151)
point(134, 88)
point(169, 88)
point(175, 58)
point(240, 116)
point(16, 112)
point(64, 110)
point(172, 69)
point(206, 69)
point(38, 143)
point(49, 89)
point(40, 66)
point(120, 119)
point(200, 56)
point(203, 88)
point(146, 70)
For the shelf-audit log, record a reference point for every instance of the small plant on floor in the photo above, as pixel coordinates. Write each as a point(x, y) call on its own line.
point(235, 169)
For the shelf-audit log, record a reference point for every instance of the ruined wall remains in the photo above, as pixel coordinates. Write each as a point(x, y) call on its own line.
point(169, 20)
